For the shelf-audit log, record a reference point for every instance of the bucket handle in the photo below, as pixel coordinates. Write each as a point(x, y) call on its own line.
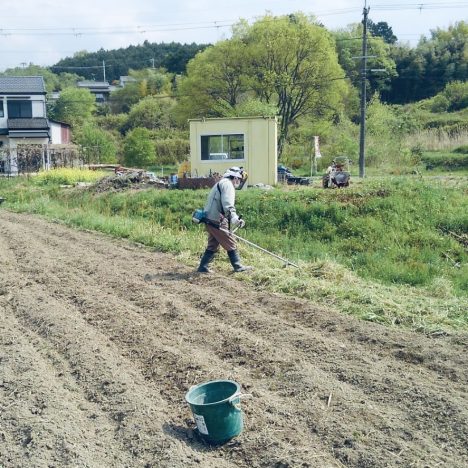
point(238, 396)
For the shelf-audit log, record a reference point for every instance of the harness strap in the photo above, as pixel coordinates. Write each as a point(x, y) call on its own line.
point(220, 201)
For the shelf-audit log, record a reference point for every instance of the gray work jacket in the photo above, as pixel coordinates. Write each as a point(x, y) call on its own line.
point(221, 201)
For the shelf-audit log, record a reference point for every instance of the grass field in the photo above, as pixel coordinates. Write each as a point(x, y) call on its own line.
point(391, 250)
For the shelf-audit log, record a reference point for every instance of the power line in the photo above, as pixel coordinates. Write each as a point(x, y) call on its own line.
point(165, 27)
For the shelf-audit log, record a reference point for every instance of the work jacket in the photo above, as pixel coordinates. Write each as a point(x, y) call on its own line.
point(220, 202)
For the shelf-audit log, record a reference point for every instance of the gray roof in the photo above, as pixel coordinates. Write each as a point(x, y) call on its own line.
point(93, 84)
point(36, 123)
point(22, 85)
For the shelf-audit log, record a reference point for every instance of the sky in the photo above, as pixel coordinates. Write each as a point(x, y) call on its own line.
point(44, 31)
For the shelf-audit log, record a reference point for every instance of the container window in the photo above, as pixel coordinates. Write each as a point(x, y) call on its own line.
point(221, 147)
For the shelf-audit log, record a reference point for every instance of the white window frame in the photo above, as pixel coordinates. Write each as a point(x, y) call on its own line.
point(220, 160)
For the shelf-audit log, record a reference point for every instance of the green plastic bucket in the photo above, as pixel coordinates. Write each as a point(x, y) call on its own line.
point(216, 409)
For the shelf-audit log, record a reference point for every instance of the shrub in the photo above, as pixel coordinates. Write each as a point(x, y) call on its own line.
point(99, 145)
point(447, 161)
point(461, 149)
point(171, 150)
point(151, 112)
point(457, 95)
point(139, 148)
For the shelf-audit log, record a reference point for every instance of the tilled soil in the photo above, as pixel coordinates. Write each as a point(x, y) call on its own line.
point(101, 339)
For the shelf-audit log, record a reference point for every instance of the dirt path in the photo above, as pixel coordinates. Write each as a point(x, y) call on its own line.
point(100, 340)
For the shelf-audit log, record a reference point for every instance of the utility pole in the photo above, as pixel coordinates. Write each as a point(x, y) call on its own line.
point(104, 70)
point(362, 135)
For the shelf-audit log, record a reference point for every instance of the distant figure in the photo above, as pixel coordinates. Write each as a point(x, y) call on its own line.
point(221, 217)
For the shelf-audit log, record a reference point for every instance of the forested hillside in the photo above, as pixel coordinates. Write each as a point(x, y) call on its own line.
point(173, 57)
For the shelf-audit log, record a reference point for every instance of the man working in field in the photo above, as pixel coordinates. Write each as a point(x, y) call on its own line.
point(221, 218)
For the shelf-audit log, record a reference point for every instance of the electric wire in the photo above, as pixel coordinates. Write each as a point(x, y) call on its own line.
point(213, 24)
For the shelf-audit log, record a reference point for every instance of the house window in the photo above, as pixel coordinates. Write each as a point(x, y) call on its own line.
point(2, 114)
point(19, 109)
point(220, 147)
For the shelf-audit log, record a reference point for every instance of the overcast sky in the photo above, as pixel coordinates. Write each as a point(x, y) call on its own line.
point(44, 31)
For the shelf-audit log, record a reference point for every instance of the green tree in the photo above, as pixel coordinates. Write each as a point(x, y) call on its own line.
point(151, 112)
point(288, 62)
point(114, 123)
point(426, 70)
point(348, 46)
point(457, 95)
point(154, 81)
point(383, 30)
point(293, 64)
point(121, 100)
point(74, 106)
point(149, 82)
point(139, 150)
point(214, 77)
point(97, 143)
point(247, 107)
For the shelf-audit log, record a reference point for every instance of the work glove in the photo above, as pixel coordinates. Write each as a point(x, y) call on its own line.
point(236, 221)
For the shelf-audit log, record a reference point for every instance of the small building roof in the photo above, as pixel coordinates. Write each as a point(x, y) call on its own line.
point(22, 85)
point(215, 119)
point(36, 123)
point(59, 122)
point(93, 84)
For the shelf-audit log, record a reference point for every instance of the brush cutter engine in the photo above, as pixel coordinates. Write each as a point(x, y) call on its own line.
point(198, 216)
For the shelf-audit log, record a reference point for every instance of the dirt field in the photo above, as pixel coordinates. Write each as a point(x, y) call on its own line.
point(101, 339)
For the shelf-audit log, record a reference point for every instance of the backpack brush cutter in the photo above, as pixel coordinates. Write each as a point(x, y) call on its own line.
point(199, 217)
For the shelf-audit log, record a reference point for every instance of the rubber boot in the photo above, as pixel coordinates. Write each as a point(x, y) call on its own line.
point(236, 262)
point(205, 260)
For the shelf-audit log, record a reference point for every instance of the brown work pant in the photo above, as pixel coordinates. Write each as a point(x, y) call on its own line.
point(217, 237)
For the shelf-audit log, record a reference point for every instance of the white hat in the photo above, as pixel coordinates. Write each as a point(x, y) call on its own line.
point(234, 172)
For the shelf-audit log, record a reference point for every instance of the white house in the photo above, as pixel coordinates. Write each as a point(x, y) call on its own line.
point(23, 118)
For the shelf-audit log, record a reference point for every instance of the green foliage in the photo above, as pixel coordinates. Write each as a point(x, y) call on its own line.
point(121, 100)
point(453, 98)
point(249, 107)
point(53, 81)
point(152, 81)
point(456, 93)
point(98, 144)
point(343, 140)
point(287, 62)
point(386, 250)
point(115, 123)
point(171, 150)
point(151, 112)
point(427, 69)
point(139, 148)
point(149, 82)
point(216, 75)
point(74, 106)
point(384, 142)
point(383, 30)
point(445, 161)
point(66, 176)
point(348, 46)
point(171, 56)
point(293, 64)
